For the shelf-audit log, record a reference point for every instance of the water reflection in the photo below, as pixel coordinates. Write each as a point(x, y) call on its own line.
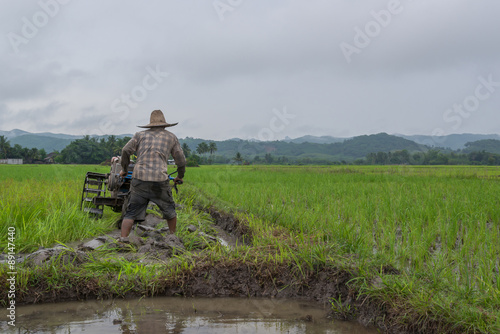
point(179, 315)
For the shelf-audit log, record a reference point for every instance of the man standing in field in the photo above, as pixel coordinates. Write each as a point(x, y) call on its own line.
point(150, 178)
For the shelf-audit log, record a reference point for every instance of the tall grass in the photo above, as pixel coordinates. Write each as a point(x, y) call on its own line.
point(43, 204)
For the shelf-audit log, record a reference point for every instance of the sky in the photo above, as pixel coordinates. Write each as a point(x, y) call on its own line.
point(252, 69)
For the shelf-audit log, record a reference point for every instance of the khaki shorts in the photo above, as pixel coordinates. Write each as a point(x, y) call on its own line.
point(141, 192)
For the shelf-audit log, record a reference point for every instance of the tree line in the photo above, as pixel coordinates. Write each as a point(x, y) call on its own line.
point(431, 157)
point(88, 150)
point(402, 157)
point(201, 158)
point(28, 155)
point(93, 150)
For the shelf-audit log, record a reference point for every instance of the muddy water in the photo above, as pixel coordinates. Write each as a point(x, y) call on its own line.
point(179, 315)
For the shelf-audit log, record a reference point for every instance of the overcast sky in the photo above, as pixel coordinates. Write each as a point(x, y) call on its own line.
point(261, 69)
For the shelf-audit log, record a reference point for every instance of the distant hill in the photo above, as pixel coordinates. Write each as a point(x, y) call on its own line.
point(360, 146)
point(12, 133)
point(349, 150)
point(50, 142)
point(455, 141)
point(487, 145)
point(314, 139)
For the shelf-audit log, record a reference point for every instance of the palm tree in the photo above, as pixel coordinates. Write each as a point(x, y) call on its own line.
point(4, 147)
point(186, 149)
point(238, 158)
point(202, 148)
point(212, 147)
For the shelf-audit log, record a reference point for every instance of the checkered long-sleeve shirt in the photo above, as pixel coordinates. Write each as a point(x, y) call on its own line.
point(153, 148)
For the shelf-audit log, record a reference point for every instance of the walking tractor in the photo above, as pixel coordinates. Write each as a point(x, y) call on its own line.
point(109, 189)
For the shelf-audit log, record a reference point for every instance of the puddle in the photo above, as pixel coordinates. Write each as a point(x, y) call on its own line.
point(179, 315)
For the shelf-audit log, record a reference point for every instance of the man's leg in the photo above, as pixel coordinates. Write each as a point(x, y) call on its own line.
point(127, 224)
point(172, 223)
point(136, 206)
point(166, 204)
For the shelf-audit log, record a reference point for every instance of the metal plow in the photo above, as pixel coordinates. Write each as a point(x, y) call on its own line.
point(108, 189)
point(94, 188)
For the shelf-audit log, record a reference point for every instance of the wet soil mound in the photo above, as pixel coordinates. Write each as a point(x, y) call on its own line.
point(148, 241)
point(230, 224)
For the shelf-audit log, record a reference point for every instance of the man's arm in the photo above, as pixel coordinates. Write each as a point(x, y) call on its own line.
point(180, 172)
point(180, 160)
point(127, 151)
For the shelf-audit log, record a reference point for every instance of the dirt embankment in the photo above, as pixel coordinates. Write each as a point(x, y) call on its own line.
point(230, 224)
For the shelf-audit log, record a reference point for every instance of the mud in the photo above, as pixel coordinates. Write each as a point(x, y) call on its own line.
point(147, 241)
point(229, 223)
point(182, 315)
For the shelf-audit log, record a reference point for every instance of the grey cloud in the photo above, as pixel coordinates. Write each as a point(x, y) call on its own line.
point(263, 55)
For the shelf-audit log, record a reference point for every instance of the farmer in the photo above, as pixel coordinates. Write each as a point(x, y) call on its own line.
point(150, 179)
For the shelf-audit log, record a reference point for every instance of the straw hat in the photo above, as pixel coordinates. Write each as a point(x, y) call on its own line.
point(157, 120)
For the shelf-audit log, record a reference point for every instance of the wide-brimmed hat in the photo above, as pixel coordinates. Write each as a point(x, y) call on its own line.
point(157, 120)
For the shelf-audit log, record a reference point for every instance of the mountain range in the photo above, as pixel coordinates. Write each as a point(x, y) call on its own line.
point(453, 141)
point(312, 147)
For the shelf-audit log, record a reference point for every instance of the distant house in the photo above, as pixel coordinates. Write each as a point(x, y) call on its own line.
point(171, 161)
point(50, 158)
point(11, 161)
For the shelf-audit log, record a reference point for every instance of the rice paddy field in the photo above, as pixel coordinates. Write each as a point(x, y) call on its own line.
point(43, 203)
point(422, 243)
point(437, 227)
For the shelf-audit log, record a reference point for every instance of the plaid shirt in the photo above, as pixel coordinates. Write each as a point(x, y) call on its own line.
point(153, 147)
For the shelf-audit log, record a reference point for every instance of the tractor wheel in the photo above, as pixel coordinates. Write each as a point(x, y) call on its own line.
point(94, 186)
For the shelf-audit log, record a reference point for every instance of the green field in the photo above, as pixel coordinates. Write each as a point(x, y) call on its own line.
point(42, 202)
point(421, 219)
point(420, 240)
point(438, 227)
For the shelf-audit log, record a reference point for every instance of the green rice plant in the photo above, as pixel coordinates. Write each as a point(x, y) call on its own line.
point(439, 225)
point(342, 309)
point(42, 203)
